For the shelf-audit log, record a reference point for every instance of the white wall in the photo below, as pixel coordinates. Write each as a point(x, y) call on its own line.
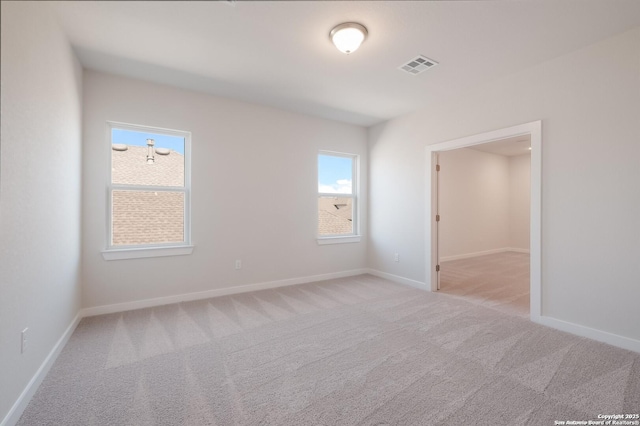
point(590, 175)
point(253, 193)
point(484, 202)
point(474, 202)
point(39, 192)
point(519, 201)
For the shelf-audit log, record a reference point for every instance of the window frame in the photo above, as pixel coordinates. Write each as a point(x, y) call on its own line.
point(117, 252)
point(355, 236)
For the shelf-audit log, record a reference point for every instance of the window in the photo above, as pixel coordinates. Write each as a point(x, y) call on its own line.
point(149, 192)
point(337, 198)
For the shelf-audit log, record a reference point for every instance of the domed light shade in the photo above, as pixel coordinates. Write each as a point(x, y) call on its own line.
point(348, 36)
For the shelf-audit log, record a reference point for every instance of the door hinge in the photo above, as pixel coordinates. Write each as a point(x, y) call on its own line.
point(437, 218)
point(437, 167)
point(437, 268)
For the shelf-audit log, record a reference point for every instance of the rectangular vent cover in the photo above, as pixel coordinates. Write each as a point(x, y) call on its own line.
point(418, 65)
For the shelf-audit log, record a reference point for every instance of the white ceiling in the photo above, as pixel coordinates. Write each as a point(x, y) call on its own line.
point(509, 147)
point(279, 53)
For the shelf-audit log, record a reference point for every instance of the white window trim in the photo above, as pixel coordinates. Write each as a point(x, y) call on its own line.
point(355, 196)
point(339, 239)
point(140, 252)
point(120, 252)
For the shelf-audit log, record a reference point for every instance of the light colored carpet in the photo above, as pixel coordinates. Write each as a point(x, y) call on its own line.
point(499, 281)
point(358, 350)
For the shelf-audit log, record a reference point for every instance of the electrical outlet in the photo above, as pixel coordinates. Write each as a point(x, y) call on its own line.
point(23, 340)
point(396, 257)
point(238, 264)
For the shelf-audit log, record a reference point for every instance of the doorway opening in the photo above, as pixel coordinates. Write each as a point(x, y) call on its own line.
point(514, 259)
point(483, 234)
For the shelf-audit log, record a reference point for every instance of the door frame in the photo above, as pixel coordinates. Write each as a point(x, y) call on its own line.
point(534, 129)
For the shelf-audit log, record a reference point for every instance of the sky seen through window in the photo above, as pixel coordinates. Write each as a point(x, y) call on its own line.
point(335, 174)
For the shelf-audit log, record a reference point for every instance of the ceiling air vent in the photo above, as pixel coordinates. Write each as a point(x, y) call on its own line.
point(418, 65)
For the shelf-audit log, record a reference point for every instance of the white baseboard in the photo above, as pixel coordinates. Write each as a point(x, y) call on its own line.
point(483, 253)
point(590, 333)
point(398, 279)
point(21, 403)
point(148, 303)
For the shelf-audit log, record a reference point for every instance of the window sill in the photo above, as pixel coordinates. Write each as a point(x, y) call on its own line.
point(339, 240)
point(139, 253)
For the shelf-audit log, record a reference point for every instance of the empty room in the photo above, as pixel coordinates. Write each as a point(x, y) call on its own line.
point(484, 199)
point(299, 213)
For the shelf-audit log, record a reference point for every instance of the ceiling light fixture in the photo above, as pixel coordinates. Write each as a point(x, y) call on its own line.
point(348, 36)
